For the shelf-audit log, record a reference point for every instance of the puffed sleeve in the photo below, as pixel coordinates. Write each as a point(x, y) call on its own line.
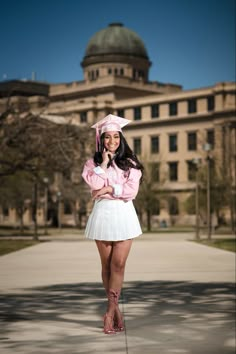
point(94, 176)
point(129, 189)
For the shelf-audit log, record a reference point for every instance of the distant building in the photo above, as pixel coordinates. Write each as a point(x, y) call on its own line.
point(170, 125)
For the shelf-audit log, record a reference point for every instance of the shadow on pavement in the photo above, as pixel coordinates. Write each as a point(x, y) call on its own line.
point(161, 317)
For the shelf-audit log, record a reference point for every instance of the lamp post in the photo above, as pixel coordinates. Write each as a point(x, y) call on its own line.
point(197, 161)
point(207, 148)
point(234, 198)
point(45, 180)
point(35, 206)
point(59, 209)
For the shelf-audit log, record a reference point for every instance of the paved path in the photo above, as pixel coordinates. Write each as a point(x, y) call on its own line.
point(178, 298)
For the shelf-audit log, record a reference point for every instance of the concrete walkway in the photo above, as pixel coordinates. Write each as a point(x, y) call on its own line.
point(178, 298)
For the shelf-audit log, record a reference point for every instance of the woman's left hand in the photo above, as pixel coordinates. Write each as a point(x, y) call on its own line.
point(103, 190)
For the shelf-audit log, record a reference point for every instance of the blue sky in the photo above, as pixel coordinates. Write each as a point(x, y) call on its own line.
point(189, 42)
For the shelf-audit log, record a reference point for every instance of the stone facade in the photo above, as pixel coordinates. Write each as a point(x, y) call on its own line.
point(169, 125)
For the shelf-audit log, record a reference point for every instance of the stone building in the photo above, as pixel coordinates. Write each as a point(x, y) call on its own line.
point(170, 126)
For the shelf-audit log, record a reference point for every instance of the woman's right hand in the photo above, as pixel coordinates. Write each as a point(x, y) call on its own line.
point(106, 157)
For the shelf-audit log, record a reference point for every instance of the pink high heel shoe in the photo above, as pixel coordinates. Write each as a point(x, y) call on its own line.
point(118, 318)
point(108, 324)
point(118, 323)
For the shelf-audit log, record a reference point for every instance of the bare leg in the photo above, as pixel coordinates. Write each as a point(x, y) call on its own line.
point(113, 259)
point(105, 249)
point(120, 254)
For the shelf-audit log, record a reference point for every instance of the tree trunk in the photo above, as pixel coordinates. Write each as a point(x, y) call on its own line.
point(149, 226)
point(35, 202)
point(21, 224)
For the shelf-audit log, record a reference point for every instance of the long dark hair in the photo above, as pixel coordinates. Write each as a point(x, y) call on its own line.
point(124, 156)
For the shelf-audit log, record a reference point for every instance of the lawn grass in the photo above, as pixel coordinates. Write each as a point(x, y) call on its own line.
point(227, 244)
point(11, 245)
point(8, 246)
point(8, 232)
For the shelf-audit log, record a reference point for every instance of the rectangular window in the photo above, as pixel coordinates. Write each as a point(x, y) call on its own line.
point(192, 141)
point(5, 211)
point(67, 208)
point(156, 208)
point(211, 138)
point(173, 143)
point(155, 110)
point(173, 109)
point(154, 144)
point(83, 117)
point(137, 146)
point(140, 73)
point(192, 106)
point(173, 206)
point(121, 113)
point(210, 103)
point(173, 171)
point(155, 172)
point(192, 169)
point(137, 113)
point(67, 174)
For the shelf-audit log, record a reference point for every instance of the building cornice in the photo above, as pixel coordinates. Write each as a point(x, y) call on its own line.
point(189, 119)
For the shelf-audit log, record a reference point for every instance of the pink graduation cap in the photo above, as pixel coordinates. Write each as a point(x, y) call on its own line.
point(109, 123)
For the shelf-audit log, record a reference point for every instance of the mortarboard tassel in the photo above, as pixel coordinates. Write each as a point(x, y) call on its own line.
point(97, 139)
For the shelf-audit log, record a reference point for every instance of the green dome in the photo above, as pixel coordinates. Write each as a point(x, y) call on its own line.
point(116, 39)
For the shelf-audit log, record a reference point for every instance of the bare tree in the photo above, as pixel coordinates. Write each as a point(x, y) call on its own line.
point(219, 195)
point(30, 143)
point(40, 147)
point(15, 191)
point(149, 192)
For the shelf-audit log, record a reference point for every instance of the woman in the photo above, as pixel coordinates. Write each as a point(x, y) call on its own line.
point(113, 176)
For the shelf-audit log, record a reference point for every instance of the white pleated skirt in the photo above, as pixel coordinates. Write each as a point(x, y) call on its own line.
point(113, 220)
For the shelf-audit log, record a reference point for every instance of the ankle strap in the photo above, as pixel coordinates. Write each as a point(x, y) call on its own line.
point(113, 295)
